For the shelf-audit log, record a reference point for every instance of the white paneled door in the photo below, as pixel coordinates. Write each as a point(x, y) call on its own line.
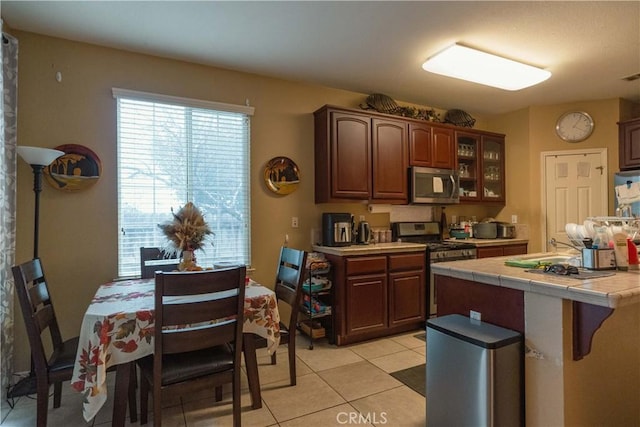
point(574, 188)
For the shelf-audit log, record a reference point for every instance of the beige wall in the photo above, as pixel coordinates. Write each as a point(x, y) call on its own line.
point(542, 137)
point(78, 231)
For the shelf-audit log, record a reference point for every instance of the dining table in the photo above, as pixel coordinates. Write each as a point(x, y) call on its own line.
point(117, 329)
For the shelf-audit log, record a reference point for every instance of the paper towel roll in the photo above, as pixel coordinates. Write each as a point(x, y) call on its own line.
point(379, 208)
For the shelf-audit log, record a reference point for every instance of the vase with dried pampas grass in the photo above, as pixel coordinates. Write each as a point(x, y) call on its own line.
point(186, 233)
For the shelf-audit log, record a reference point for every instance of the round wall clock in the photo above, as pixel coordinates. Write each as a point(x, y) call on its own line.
point(574, 126)
point(282, 175)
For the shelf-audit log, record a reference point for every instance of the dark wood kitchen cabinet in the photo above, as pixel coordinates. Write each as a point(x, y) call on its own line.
point(406, 289)
point(431, 146)
point(629, 144)
point(377, 295)
point(443, 148)
point(342, 155)
point(390, 160)
point(501, 250)
point(359, 157)
point(366, 295)
point(365, 156)
point(481, 166)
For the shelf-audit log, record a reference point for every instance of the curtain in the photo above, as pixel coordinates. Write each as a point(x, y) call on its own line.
point(8, 133)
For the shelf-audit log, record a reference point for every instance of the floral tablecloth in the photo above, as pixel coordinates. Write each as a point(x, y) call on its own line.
point(118, 328)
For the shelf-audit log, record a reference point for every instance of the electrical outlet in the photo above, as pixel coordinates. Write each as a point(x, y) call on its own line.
point(514, 219)
point(475, 315)
point(361, 217)
point(294, 222)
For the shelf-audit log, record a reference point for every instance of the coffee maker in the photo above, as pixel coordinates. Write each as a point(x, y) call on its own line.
point(336, 229)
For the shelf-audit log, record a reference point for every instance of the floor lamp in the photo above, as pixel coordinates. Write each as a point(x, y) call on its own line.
point(38, 158)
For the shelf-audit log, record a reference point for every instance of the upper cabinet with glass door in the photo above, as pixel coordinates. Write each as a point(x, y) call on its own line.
point(493, 187)
point(481, 166)
point(468, 166)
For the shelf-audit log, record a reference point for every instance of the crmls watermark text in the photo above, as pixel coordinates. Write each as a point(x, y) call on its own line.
point(358, 418)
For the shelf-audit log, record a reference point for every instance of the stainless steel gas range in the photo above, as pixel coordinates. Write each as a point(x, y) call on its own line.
point(438, 250)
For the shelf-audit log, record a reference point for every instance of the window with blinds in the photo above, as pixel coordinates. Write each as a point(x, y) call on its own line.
point(175, 150)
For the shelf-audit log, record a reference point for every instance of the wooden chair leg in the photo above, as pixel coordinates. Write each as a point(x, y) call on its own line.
point(236, 400)
point(157, 405)
point(42, 403)
point(273, 358)
point(133, 384)
point(57, 394)
point(144, 400)
point(292, 360)
point(251, 365)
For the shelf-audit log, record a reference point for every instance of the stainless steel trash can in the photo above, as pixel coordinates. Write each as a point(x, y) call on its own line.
point(474, 374)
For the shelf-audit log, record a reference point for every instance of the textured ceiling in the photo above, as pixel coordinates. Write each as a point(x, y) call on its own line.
point(370, 47)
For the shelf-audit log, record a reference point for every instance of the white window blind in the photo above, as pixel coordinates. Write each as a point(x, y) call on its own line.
point(175, 150)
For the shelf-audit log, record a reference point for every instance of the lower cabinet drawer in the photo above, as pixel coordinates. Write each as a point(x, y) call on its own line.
point(407, 262)
point(366, 265)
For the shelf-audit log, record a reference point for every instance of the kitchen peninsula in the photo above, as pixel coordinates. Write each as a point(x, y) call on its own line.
point(582, 362)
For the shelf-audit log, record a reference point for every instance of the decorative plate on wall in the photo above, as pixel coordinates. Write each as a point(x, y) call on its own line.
point(281, 175)
point(78, 169)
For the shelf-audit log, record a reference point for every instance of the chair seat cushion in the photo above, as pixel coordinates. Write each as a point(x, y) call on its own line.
point(185, 366)
point(64, 357)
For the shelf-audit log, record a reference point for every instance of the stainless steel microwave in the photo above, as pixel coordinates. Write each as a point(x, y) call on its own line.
point(434, 186)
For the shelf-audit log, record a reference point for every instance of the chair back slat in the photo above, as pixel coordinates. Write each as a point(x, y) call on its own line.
point(285, 293)
point(289, 279)
point(197, 301)
point(199, 282)
point(38, 295)
point(154, 259)
point(37, 311)
point(196, 312)
point(196, 339)
point(44, 317)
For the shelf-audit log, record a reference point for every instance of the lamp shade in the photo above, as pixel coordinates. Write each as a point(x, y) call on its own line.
point(38, 155)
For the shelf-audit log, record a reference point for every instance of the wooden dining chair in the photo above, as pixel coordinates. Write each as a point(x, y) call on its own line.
point(154, 259)
point(288, 289)
point(50, 366)
point(198, 337)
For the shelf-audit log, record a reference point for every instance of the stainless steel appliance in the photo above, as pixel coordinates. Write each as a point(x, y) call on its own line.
point(336, 229)
point(434, 186)
point(364, 233)
point(474, 375)
point(494, 230)
point(629, 183)
point(438, 250)
point(598, 259)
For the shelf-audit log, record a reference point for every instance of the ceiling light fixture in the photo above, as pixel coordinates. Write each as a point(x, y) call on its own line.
point(464, 63)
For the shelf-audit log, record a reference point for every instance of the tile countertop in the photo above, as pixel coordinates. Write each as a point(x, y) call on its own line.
point(490, 242)
point(371, 249)
point(623, 288)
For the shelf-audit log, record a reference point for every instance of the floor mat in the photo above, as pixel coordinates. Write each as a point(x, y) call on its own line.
point(414, 378)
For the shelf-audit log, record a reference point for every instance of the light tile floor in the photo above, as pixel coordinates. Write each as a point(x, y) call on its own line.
point(336, 386)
